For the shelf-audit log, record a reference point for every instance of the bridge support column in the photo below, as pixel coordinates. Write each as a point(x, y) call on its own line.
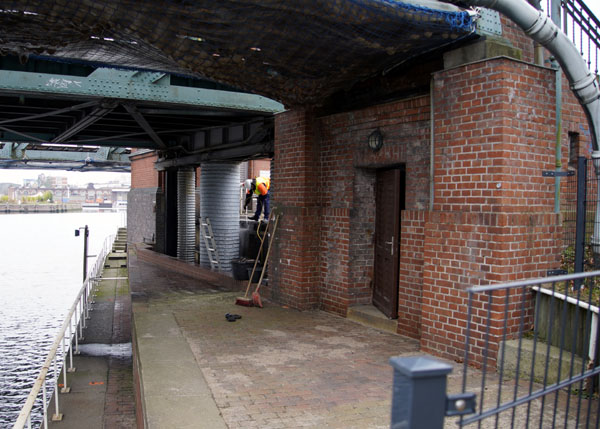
point(186, 210)
point(219, 201)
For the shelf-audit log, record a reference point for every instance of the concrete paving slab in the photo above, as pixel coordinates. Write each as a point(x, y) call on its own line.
point(156, 324)
point(174, 378)
point(194, 412)
point(163, 349)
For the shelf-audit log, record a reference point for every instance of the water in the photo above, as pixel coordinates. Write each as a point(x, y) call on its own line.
point(41, 272)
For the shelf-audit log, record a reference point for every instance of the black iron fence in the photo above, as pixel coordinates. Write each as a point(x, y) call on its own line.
point(531, 360)
point(581, 223)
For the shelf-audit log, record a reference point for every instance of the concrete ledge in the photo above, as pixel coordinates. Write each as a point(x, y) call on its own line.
point(191, 270)
point(368, 315)
point(511, 354)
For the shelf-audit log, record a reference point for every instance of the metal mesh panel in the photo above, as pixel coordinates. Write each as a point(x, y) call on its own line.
point(297, 52)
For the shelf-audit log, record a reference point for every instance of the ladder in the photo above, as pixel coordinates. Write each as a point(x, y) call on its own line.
point(209, 241)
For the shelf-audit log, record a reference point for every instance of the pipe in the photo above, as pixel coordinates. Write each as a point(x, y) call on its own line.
point(555, 14)
point(584, 85)
point(431, 144)
point(541, 28)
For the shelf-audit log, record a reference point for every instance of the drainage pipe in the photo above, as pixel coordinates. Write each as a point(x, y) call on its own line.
point(541, 29)
point(555, 15)
point(584, 85)
point(431, 144)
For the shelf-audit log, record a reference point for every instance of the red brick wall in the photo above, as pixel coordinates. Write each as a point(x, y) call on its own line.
point(494, 136)
point(494, 126)
point(517, 38)
point(348, 190)
point(258, 165)
point(143, 173)
point(412, 245)
point(294, 268)
point(473, 249)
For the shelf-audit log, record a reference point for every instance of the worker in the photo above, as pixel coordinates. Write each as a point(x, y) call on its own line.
point(259, 186)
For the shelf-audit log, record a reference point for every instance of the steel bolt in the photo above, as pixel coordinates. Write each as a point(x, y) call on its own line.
point(460, 404)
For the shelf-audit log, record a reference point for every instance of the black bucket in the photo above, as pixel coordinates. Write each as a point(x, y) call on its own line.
point(256, 276)
point(241, 268)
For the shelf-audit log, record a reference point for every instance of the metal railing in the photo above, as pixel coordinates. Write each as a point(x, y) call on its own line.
point(71, 332)
point(583, 28)
point(530, 360)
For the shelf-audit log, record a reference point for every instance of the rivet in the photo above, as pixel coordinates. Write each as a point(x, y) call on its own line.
point(460, 404)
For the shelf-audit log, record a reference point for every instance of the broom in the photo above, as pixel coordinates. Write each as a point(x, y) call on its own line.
point(245, 300)
point(255, 296)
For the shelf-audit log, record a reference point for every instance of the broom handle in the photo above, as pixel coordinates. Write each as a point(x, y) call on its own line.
point(262, 241)
point(268, 251)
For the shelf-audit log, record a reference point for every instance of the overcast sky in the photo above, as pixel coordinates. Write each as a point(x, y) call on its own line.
point(74, 177)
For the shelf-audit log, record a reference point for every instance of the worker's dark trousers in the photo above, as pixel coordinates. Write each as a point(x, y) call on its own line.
point(262, 201)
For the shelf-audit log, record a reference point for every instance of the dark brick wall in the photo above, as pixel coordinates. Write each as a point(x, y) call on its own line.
point(141, 214)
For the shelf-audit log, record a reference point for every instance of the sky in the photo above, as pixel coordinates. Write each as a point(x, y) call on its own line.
point(74, 177)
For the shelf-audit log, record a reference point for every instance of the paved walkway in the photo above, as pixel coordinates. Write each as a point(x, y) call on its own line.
point(273, 368)
point(102, 394)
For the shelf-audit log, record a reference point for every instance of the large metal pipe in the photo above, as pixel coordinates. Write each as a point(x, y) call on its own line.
point(186, 213)
point(584, 84)
point(220, 193)
point(541, 29)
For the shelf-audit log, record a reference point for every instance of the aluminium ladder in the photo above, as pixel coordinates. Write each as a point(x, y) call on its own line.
point(209, 241)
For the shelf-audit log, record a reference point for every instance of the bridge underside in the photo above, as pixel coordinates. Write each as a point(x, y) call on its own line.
point(84, 118)
point(177, 71)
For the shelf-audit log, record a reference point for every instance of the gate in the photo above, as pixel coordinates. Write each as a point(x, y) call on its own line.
point(530, 360)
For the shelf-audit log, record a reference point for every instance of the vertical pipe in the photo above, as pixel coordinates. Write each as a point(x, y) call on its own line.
point(186, 213)
point(86, 233)
point(219, 191)
point(431, 143)
point(555, 15)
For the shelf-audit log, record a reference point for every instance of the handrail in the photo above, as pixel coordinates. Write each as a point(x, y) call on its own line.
point(585, 22)
point(78, 314)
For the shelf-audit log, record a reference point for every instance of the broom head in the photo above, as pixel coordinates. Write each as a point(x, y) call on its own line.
point(242, 300)
point(256, 300)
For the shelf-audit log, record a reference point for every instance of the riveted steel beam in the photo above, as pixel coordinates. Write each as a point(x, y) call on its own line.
point(139, 118)
point(85, 122)
point(135, 86)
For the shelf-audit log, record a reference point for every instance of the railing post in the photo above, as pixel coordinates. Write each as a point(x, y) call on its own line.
point(419, 398)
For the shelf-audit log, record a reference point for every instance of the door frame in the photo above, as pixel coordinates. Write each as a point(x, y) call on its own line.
point(391, 292)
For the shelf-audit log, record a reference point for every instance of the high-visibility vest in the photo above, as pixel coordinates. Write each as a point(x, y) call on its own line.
point(266, 182)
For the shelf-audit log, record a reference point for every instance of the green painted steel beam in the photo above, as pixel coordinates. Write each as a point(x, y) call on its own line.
point(135, 86)
point(19, 151)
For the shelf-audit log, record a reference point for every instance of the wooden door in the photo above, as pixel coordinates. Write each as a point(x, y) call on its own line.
point(389, 201)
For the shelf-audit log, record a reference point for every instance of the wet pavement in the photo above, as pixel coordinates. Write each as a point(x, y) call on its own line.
point(101, 388)
point(273, 368)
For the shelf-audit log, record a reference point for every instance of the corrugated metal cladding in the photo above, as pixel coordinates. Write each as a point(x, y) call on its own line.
point(186, 211)
point(220, 193)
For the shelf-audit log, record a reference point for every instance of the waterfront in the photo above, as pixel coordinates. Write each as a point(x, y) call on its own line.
point(40, 274)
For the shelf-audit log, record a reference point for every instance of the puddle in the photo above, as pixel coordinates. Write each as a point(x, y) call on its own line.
point(122, 350)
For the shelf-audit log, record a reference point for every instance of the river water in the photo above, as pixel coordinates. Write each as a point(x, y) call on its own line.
point(41, 271)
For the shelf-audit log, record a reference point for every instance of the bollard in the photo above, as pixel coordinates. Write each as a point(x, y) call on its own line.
point(419, 397)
